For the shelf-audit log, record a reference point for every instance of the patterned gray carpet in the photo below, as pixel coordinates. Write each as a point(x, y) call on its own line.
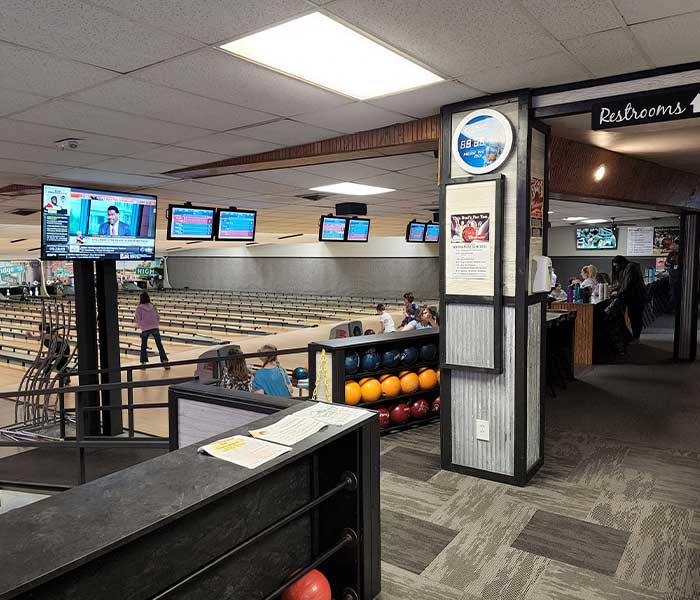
point(604, 519)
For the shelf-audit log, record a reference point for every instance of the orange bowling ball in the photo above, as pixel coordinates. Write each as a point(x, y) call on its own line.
point(437, 372)
point(371, 390)
point(382, 378)
point(391, 386)
point(353, 393)
point(365, 380)
point(427, 379)
point(409, 383)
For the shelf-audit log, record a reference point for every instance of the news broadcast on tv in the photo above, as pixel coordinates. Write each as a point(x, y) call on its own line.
point(79, 223)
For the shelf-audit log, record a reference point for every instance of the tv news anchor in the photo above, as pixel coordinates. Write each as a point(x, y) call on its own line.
point(113, 226)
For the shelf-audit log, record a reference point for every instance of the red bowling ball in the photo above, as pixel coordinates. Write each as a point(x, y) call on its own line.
point(420, 409)
point(400, 414)
point(384, 418)
point(436, 405)
point(312, 586)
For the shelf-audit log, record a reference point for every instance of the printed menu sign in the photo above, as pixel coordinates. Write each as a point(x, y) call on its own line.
point(640, 241)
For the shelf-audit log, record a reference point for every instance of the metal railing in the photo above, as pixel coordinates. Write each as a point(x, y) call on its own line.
point(81, 441)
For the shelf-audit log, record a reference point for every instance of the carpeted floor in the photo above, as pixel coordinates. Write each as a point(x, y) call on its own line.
point(614, 514)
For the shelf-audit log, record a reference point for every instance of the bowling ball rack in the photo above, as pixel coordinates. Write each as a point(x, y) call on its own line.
point(333, 361)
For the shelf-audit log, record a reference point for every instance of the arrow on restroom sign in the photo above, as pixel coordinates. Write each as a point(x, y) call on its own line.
point(696, 103)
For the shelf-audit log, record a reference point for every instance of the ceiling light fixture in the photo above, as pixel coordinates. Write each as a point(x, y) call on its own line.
point(599, 173)
point(574, 219)
point(352, 189)
point(326, 53)
point(594, 221)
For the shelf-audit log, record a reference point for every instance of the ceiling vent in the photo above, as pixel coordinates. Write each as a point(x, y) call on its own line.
point(23, 212)
point(313, 197)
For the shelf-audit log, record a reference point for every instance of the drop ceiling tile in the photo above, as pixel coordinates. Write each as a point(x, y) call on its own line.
point(636, 11)
point(106, 178)
point(221, 76)
point(28, 168)
point(549, 70)
point(566, 19)
point(426, 101)
point(246, 184)
point(207, 20)
point(13, 150)
point(655, 37)
point(80, 31)
point(398, 161)
point(291, 177)
point(287, 133)
point(134, 166)
point(608, 52)
point(351, 118)
point(73, 115)
point(182, 157)
point(44, 135)
point(200, 187)
point(456, 37)
point(343, 171)
point(230, 145)
point(12, 101)
point(429, 171)
point(41, 73)
point(141, 98)
point(395, 181)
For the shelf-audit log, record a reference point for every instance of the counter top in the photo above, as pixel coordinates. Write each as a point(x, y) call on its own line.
point(52, 536)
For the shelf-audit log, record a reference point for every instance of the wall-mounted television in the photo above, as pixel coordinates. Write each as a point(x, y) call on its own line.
point(432, 233)
point(415, 232)
point(83, 223)
point(332, 229)
point(358, 229)
point(235, 225)
point(596, 238)
point(190, 222)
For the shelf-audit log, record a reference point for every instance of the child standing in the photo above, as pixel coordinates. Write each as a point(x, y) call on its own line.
point(386, 323)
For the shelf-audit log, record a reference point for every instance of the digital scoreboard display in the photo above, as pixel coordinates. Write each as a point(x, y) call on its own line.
point(415, 232)
point(358, 230)
point(332, 229)
point(190, 223)
point(236, 225)
point(432, 233)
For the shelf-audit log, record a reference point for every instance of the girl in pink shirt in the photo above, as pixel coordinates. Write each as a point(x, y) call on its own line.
point(148, 320)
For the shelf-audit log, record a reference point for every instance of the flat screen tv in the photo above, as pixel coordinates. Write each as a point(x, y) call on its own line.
point(190, 223)
point(82, 223)
point(432, 233)
point(332, 229)
point(596, 238)
point(235, 225)
point(358, 229)
point(415, 232)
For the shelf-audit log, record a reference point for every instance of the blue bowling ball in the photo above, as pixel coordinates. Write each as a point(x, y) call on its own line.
point(409, 355)
point(391, 359)
point(300, 373)
point(352, 362)
point(428, 352)
point(370, 360)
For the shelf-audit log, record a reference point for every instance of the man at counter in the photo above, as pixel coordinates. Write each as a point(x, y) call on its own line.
point(629, 291)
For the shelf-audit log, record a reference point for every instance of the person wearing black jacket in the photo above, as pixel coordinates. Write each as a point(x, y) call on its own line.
point(630, 291)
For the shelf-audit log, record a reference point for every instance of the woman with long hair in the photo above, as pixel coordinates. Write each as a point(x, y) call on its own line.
point(236, 375)
point(271, 378)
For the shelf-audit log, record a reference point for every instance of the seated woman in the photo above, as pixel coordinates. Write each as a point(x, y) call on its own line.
point(425, 318)
point(272, 379)
point(557, 294)
point(588, 276)
point(236, 375)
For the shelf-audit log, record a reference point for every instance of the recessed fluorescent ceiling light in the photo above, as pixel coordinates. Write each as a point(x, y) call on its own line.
point(593, 221)
point(352, 189)
point(574, 218)
point(324, 52)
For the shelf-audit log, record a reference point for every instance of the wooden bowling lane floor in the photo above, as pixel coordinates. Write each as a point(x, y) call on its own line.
point(602, 520)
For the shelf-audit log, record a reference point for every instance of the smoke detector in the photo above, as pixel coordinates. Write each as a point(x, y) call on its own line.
point(68, 144)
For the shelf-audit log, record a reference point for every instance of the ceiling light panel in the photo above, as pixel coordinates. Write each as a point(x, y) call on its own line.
point(328, 54)
point(352, 189)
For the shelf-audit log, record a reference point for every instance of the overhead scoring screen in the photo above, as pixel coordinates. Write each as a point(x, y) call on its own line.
point(190, 223)
point(79, 223)
point(332, 229)
point(236, 225)
point(415, 232)
point(432, 232)
point(358, 230)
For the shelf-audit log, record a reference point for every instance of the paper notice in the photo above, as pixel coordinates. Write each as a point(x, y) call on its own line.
point(244, 451)
point(290, 430)
point(331, 414)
